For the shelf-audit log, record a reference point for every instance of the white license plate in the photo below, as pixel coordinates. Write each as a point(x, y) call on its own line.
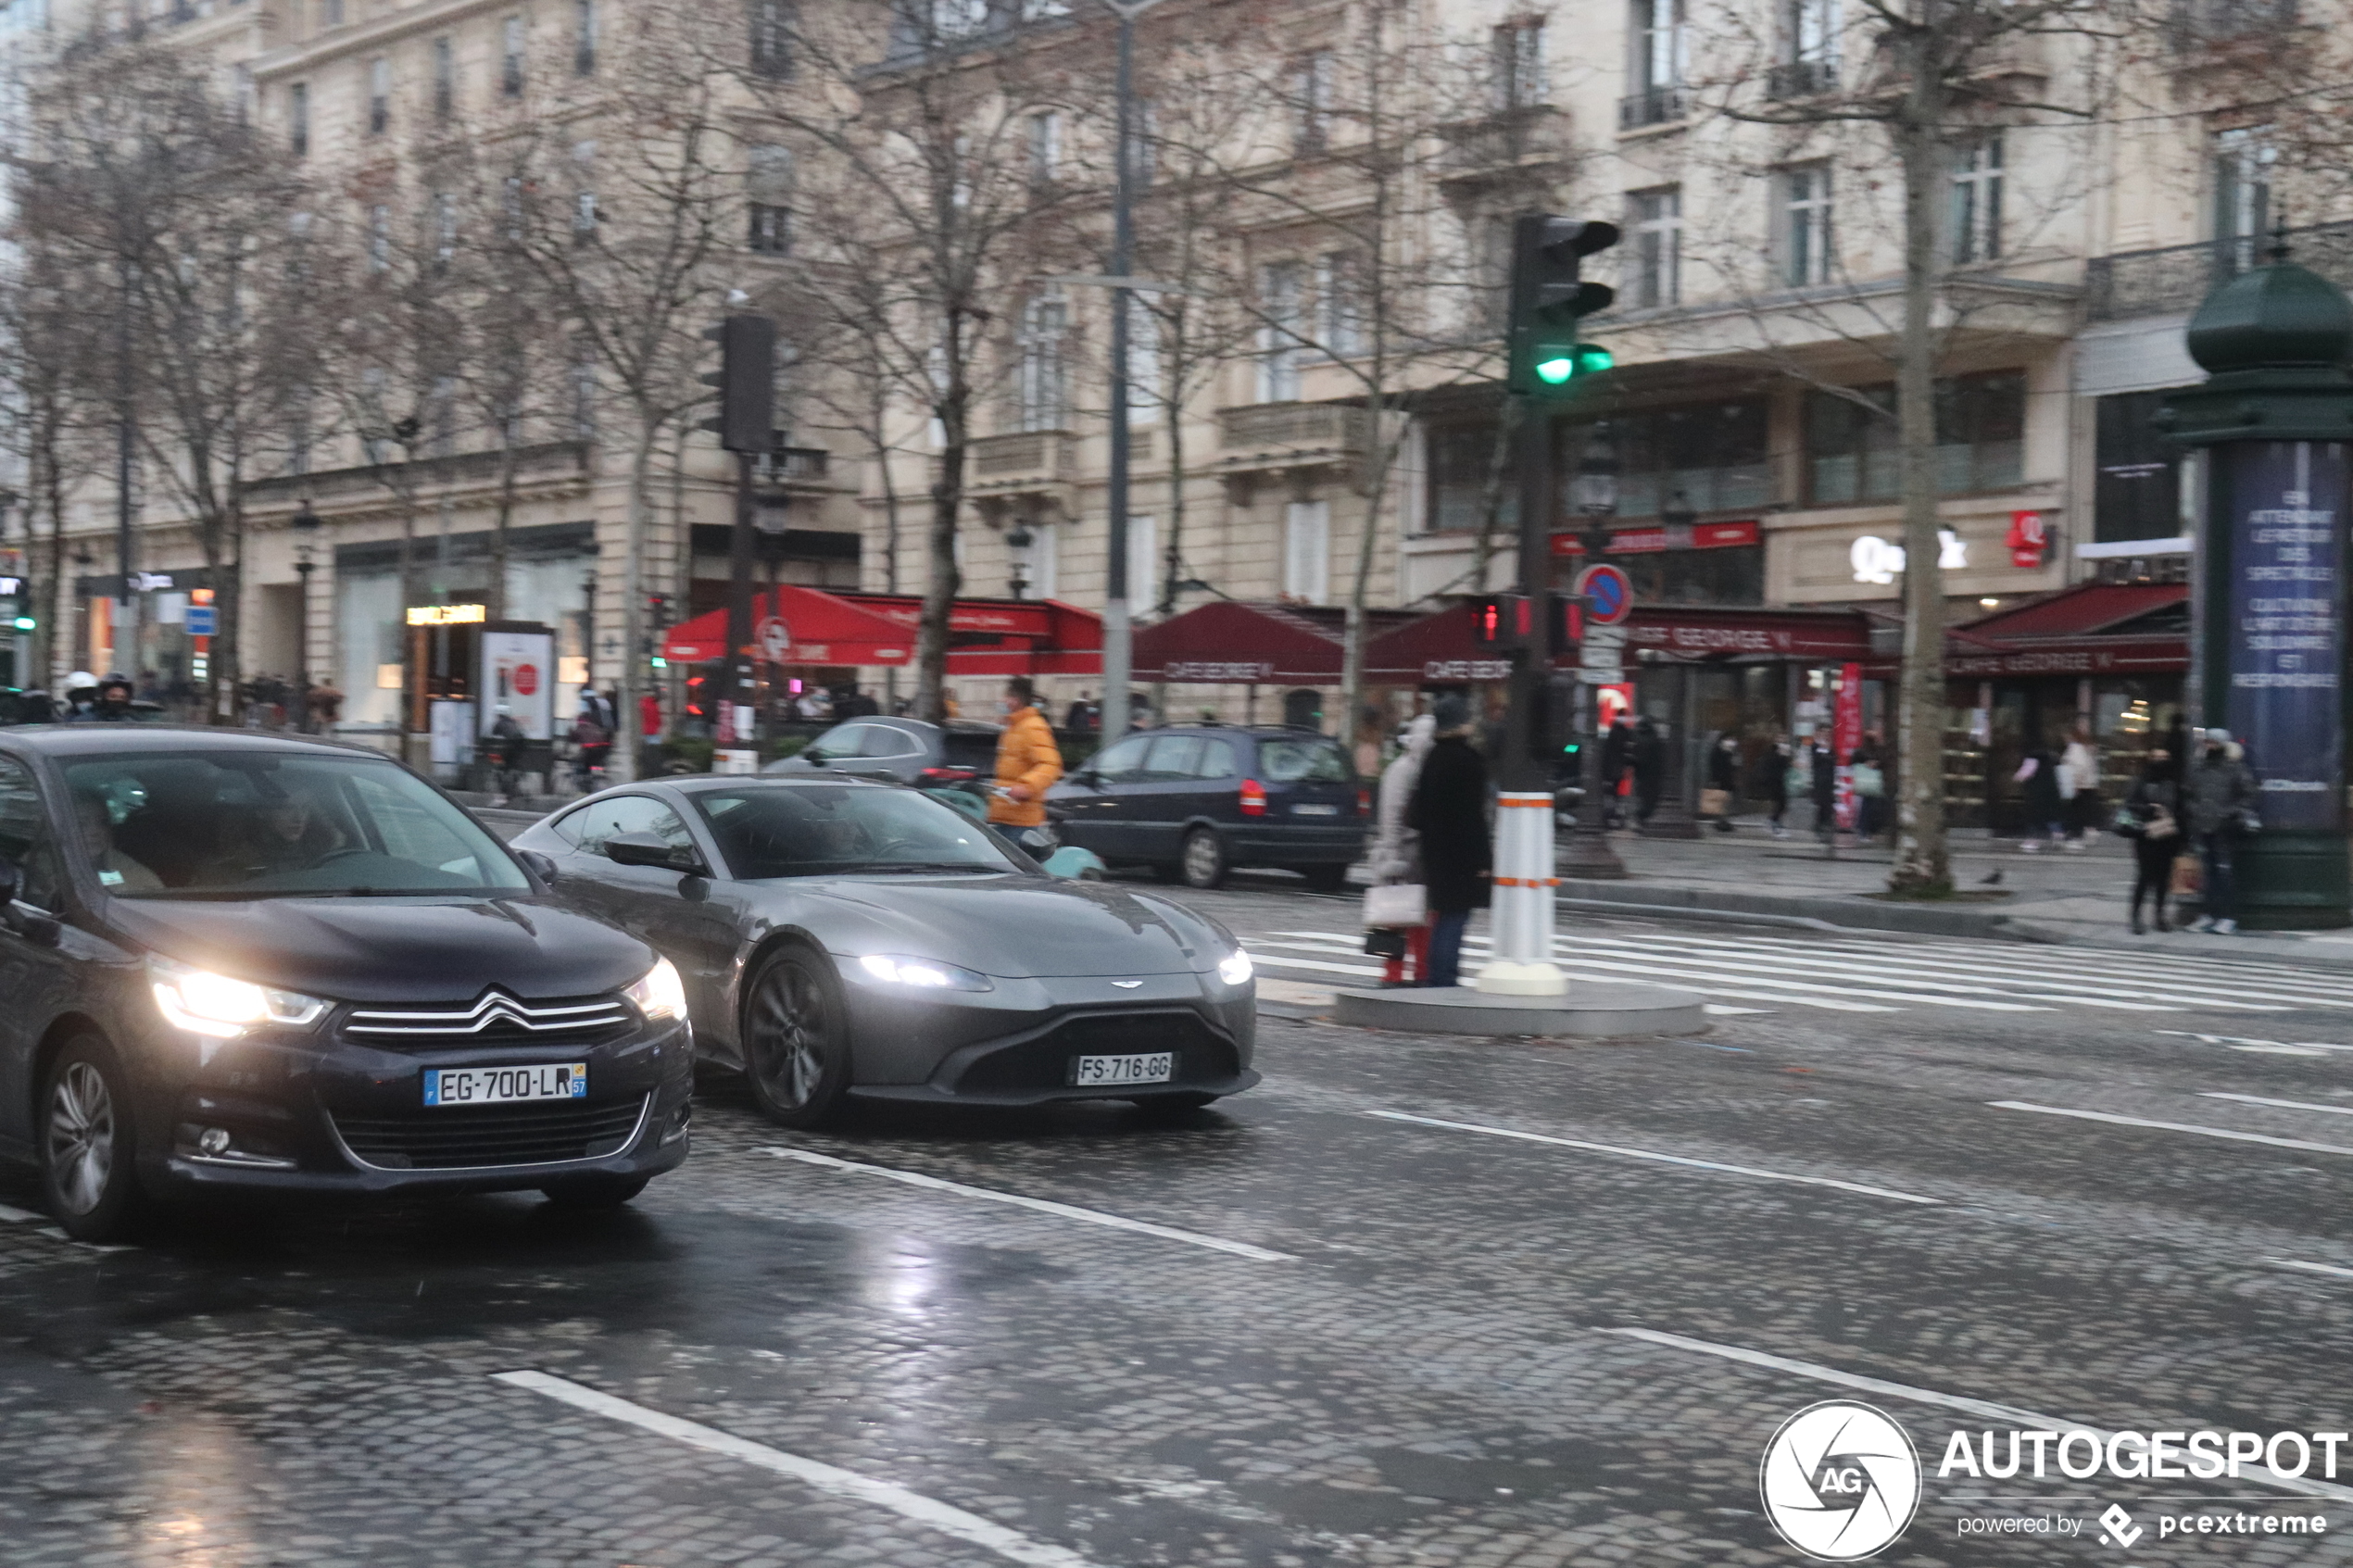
point(505, 1085)
point(1157, 1068)
point(1315, 811)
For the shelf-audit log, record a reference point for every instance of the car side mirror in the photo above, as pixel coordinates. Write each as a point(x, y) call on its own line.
point(1085, 778)
point(812, 755)
point(541, 866)
point(651, 849)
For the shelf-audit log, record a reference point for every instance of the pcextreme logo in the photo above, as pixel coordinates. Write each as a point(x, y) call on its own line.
point(1839, 1481)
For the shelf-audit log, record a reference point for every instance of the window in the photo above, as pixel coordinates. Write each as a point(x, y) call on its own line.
point(1143, 136)
point(1144, 393)
point(444, 230)
point(1311, 102)
point(771, 230)
point(1658, 67)
point(1216, 761)
point(1123, 761)
point(1705, 458)
point(445, 80)
point(1279, 348)
point(1174, 759)
point(1809, 66)
point(768, 175)
point(591, 826)
point(1339, 301)
point(584, 395)
point(299, 118)
point(1045, 148)
point(1851, 453)
point(584, 216)
point(379, 238)
point(1519, 64)
point(1042, 371)
point(1307, 551)
point(330, 13)
point(441, 417)
point(379, 95)
point(1976, 202)
point(584, 37)
point(1462, 465)
point(1657, 222)
point(2243, 162)
point(1805, 225)
point(825, 830)
point(770, 39)
point(1143, 560)
point(510, 58)
point(28, 841)
point(2137, 483)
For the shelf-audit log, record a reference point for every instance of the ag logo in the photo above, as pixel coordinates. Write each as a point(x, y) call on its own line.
point(1839, 1481)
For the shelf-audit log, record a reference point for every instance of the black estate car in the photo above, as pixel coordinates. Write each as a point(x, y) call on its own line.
point(1192, 801)
point(245, 961)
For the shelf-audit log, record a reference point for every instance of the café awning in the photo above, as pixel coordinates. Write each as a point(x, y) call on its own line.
point(2091, 629)
point(1235, 642)
point(797, 625)
point(1438, 647)
point(1002, 636)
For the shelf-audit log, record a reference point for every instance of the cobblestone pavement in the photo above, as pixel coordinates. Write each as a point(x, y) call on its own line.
point(1328, 1334)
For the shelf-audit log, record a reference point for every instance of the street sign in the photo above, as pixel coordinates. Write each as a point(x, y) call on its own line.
point(1601, 644)
point(204, 621)
point(1613, 675)
point(1607, 592)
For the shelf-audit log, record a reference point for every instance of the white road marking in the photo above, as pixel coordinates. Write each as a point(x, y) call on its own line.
point(2174, 1127)
point(1313, 965)
point(2261, 1047)
point(17, 1216)
point(1652, 1154)
point(1068, 1212)
point(1720, 1010)
point(2283, 1104)
point(2310, 1268)
point(2008, 1415)
point(930, 1512)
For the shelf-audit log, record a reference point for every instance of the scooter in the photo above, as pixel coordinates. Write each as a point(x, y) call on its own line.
point(963, 789)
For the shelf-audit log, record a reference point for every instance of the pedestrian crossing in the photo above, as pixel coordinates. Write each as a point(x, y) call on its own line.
point(1834, 974)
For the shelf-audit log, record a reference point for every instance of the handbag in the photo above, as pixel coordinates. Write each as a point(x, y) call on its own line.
point(2189, 877)
point(1716, 803)
point(2127, 825)
point(1869, 783)
point(1385, 944)
point(1397, 903)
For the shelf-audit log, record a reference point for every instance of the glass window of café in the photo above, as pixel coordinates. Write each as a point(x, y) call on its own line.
point(1851, 454)
point(1706, 458)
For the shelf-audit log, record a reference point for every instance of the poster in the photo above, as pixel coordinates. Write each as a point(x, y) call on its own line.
point(2286, 638)
point(1846, 734)
point(519, 672)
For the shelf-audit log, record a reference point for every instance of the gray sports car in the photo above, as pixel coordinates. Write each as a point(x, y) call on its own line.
point(840, 938)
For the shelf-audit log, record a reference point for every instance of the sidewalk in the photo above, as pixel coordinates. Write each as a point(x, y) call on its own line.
point(2050, 895)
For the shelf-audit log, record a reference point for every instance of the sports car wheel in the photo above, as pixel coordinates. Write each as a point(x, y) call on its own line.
point(796, 1040)
point(88, 1169)
point(1205, 862)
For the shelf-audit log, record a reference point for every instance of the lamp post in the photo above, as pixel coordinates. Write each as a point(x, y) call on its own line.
point(1118, 632)
point(1593, 493)
point(306, 532)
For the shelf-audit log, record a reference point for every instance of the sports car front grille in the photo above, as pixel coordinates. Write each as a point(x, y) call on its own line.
point(493, 1019)
point(1204, 1055)
point(474, 1138)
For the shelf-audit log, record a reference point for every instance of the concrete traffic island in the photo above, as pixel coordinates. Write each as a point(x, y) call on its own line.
point(1592, 1009)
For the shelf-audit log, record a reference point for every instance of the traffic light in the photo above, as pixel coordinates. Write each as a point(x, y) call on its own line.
point(658, 611)
point(1500, 620)
point(1550, 303)
point(26, 624)
point(747, 384)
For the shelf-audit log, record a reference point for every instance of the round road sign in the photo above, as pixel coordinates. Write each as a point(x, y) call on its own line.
point(1608, 593)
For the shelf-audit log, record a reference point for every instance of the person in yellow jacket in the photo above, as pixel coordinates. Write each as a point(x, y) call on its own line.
point(1028, 760)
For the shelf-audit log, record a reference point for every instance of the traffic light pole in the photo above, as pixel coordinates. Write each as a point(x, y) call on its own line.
point(1524, 877)
point(741, 675)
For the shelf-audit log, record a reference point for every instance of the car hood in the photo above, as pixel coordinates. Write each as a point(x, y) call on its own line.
point(410, 949)
point(1014, 927)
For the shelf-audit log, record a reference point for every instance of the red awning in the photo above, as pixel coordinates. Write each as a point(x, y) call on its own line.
point(1002, 636)
point(1229, 642)
point(2091, 629)
point(1438, 647)
point(797, 626)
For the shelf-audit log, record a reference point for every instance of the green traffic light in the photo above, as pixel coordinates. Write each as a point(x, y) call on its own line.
point(1556, 369)
point(1592, 358)
point(26, 624)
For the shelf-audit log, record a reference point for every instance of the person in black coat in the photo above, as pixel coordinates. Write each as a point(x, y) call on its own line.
point(1650, 769)
point(1618, 754)
point(1449, 811)
point(1724, 773)
point(1825, 789)
point(2151, 818)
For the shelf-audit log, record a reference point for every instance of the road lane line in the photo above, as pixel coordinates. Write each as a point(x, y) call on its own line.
point(2260, 1047)
point(2330, 1269)
point(2285, 1104)
point(2172, 1127)
point(1044, 1205)
point(1652, 1154)
point(930, 1512)
point(2008, 1415)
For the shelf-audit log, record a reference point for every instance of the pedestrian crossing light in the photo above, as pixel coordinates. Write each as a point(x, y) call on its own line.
point(1550, 301)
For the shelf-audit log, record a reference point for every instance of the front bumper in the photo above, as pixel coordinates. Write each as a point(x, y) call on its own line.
point(1015, 1045)
point(308, 1116)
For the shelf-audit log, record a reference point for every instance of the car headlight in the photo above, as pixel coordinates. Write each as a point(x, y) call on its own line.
point(923, 974)
point(1235, 969)
point(660, 993)
point(205, 1003)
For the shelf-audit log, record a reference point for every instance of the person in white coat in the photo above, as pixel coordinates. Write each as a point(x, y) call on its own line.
point(1396, 853)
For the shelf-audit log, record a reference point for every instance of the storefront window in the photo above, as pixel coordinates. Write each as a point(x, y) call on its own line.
point(2137, 494)
point(1731, 576)
point(1851, 453)
point(1712, 458)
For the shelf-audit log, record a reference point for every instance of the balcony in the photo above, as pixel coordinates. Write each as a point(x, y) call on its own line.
point(538, 465)
point(1654, 105)
point(1279, 429)
point(2176, 279)
point(1792, 79)
point(1530, 135)
point(1021, 462)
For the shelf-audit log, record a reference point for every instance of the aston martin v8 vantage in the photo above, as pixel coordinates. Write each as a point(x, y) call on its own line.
point(845, 939)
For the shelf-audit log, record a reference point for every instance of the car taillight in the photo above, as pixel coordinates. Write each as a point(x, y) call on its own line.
point(1253, 798)
point(939, 778)
point(1364, 802)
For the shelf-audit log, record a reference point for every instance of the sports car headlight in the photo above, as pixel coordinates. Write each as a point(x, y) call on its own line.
point(205, 1003)
point(1235, 969)
point(660, 993)
point(923, 974)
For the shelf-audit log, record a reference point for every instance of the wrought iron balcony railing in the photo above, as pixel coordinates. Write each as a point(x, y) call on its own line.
point(2173, 280)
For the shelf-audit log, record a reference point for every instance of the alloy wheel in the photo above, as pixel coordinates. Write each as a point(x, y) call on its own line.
point(788, 1035)
point(1204, 862)
point(80, 1136)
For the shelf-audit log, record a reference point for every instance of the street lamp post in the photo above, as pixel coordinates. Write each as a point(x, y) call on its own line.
point(1118, 632)
point(1594, 495)
point(306, 532)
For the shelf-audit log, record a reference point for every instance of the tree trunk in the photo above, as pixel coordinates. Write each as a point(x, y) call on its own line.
point(1923, 867)
point(881, 415)
point(943, 582)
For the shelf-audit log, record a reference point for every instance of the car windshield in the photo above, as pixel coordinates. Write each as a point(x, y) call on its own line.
point(832, 830)
point(245, 824)
point(1315, 761)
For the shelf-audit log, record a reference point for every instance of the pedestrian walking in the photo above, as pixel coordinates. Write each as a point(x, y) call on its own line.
point(2080, 787)
point(2039, 772)
point(1867, 769)
point(1650, 769)
point(1396, 857)
point(1771, 784)
point(1824, 766)
point(1448, 813)
point(1617, 756)
point(2151, 817)
point(1723, 781)
point(1027, 764)
point(506, 740)
point(2218, 803)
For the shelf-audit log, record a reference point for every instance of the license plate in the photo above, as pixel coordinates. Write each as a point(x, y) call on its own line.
point(1315, 811)
point(1157, 1068)
point(504, 1086)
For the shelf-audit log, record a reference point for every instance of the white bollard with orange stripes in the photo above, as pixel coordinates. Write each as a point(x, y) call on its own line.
point(1521, 964)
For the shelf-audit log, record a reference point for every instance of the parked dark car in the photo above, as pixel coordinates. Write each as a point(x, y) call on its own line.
point(1194, 801)
point(904, 751)
point(847, 939)
point(244, 962)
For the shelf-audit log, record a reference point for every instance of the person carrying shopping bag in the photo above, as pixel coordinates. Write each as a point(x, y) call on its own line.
point(2151, 817)
point(1396, 865)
